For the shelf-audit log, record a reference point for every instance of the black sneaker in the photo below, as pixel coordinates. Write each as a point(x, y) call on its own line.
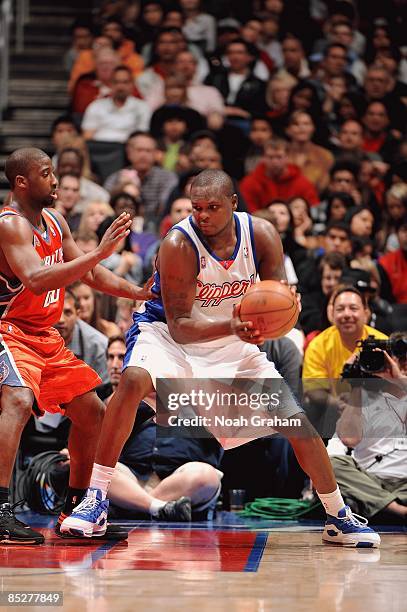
point(179, 510)
point(13, 531)
point(113, 532)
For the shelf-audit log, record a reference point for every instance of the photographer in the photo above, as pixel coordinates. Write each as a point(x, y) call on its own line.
point(328, 352)
point(373, 423)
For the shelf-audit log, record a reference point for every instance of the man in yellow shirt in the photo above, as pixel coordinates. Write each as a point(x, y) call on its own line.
point(327, 353)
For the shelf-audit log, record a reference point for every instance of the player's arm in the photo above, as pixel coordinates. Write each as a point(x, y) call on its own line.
point(99, 277)
point(270, 255)
point(269, 250)
point(178, 271)
point(26, 264)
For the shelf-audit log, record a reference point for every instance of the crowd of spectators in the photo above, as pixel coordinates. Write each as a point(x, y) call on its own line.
point(302, 103)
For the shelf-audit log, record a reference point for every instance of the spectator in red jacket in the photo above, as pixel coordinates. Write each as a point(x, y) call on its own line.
point(393, 265)
point(274, 178)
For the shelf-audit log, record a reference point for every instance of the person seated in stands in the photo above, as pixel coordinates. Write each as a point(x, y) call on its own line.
point(275, 178)
point(327, 353)
point(63, 130)
point(68, 197)
point(156, 182)
point(164, 51)
point(361, 221)
point(344, 177)
point(134, 250)
point(350, 141)
point(180, 209)
point(393, 267)
point(86, 240)
point(202, 98)
point(95, 84)
point(242, 92)
point(86, 342)
point(302, 223)
point(260, 133)
point(395, 207)
point(114, 118)
point(313, 160)
point(336, 239)
point(378, 137)
point(82, 38)
point(112, 38)
point(72, 161)
point(373, 478)
point(313, 315)
point(90, 308)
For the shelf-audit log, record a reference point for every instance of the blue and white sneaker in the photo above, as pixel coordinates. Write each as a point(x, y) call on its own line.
point(89, 518)
point(348, 529)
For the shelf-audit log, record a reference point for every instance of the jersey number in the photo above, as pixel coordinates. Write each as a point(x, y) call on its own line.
point(52, 297)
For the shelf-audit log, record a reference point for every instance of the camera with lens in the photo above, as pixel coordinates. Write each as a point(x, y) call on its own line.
point(371, 358)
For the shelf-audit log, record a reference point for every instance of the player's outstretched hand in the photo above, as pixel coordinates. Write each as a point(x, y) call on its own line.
point(119, 229)
point(144, 293)
point(245, 329)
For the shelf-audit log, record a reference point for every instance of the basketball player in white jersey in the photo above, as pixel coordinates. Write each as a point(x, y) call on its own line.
point(205, 265)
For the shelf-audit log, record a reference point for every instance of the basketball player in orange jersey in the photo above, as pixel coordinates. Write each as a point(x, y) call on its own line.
point(205, 264)
point(38, 257)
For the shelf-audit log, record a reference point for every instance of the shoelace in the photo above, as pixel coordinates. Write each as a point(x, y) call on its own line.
point(355, 519)
point(88, 503)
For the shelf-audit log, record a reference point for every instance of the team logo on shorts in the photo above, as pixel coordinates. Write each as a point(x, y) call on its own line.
point(4, 371)
point(203, 262)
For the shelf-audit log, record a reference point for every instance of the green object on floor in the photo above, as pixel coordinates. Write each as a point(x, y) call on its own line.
point(278, 508)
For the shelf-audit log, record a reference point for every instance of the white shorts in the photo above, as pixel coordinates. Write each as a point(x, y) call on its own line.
point(157, 352)
point(154, 350)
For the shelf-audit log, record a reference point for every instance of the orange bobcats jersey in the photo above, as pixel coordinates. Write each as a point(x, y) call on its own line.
point(18, 304)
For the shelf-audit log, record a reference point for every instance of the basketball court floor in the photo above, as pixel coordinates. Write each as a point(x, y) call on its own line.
point(232, 564)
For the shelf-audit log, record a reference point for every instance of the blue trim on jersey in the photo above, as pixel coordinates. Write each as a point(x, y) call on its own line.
point(249, 217)
point(55, 219)
point(207, 247)
point(181, 229)
point(9, 212)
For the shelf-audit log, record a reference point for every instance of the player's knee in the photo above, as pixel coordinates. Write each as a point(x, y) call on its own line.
point(134, 381)
point(17, 402)
point(204, 475)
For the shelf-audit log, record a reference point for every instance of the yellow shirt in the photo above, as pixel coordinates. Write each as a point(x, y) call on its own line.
point(326, 355)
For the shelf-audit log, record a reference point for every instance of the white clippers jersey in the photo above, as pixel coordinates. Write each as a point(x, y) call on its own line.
point(221, 284)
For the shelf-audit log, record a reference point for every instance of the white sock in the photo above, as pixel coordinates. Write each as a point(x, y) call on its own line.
point(156, 505)
point(101, 478)
point(332, 502)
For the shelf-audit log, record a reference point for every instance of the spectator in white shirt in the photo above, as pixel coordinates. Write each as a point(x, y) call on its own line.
point(202, 98)
point(113, 119)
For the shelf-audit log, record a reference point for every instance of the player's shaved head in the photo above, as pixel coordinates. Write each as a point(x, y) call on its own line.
point(216, 181)
point(20, 162)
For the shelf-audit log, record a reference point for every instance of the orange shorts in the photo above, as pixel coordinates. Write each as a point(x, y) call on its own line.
point(42, 363)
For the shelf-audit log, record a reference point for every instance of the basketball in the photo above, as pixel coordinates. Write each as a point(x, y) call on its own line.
point(271, 307)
